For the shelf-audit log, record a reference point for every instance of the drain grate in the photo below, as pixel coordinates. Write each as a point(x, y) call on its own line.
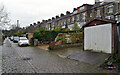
point(26, 58)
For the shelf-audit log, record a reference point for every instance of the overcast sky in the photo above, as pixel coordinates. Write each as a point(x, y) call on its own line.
point(30, 11)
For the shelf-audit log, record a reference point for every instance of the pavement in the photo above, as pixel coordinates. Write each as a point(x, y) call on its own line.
point(0, 52)
point(0, 60)
point(89, 57)
point(35, 60)
point(83, 56)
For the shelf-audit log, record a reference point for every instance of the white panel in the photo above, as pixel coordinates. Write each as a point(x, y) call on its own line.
point(98, 38)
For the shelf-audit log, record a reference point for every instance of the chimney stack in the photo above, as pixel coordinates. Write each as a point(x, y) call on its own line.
point(38, 22)
point(62, 14)
point(49, 19)
point(96, 1)
point(67, 12)
point(53, 18)
point(34, 23)
point(30, 24)
point(43, 21)
point(46, 20)
point(74, 9)
point(57, 17)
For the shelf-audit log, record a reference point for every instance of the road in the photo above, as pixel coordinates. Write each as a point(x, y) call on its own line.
point(35, 60)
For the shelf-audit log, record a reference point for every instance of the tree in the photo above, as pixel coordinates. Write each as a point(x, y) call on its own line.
point(4, 20)
point(75, 27)
point(59, 28)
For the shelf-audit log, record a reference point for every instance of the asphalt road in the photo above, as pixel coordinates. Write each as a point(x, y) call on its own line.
point(35, 60)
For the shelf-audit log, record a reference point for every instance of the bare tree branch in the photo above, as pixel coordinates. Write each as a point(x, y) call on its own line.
point(4, 19)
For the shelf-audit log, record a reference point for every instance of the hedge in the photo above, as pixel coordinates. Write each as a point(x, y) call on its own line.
point(48, 35)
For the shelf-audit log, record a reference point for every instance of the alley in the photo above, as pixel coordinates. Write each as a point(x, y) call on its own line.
point(35, 60)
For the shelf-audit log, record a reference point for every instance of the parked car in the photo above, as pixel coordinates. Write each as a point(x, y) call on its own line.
point(23, 41)
point(15, 39)
point(11, 38)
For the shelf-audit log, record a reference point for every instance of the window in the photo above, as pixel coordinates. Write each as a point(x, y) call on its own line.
point(111, 17)
point(75, 12)
point(90, 14)
point(116, 18)
point(61, 23)
point(107, 17)
point(98, 12)
point(73, 18)
point(64, 22)
point(69, 20)
point(78, 17)
point(119, 18)
point(83, 16)
point(82, 8)
point(119, 6)
point(110, 10)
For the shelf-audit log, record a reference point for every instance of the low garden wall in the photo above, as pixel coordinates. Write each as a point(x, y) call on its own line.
point(66, 46)
point(65, 40)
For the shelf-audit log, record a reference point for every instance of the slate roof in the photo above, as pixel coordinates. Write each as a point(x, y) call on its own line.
point(63, 17)
point(100, 4)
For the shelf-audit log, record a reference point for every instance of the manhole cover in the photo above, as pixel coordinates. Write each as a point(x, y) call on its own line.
point(26, 58)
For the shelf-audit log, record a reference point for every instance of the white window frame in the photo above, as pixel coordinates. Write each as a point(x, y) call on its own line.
point(84, 15)
point(78, 17)
point(91, 14)
point(64, 22)
point(73, 19)
point(98, 12)
point(110, 9)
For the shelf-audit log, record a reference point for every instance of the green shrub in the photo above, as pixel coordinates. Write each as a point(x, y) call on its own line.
point(43, 35)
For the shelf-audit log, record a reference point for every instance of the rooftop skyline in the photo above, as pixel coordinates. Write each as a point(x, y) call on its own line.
point(30, 11)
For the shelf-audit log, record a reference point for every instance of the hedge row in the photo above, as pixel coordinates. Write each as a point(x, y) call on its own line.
point(48, 35)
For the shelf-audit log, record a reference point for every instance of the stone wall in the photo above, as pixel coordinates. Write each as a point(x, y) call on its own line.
point(30, 35)
point(66, 46)
point(64, 40)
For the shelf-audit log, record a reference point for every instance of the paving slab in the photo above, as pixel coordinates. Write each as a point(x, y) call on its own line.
point(89, 57)
point(0, 60)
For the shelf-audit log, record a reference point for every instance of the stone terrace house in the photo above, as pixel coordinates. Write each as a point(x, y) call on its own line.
point(83, 14)
point(80, 14)
point(103, 10)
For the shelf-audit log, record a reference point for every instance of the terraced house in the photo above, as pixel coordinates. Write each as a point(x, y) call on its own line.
point(104, 10)
point(84, 14)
